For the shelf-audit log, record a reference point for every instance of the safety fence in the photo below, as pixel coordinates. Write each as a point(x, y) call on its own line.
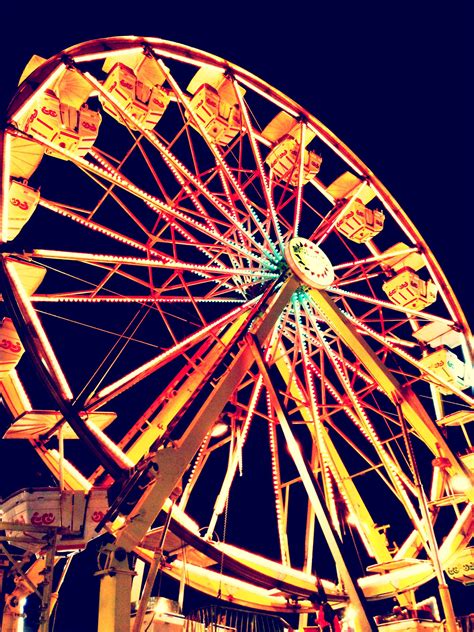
point(223, 619)
point(467, 623)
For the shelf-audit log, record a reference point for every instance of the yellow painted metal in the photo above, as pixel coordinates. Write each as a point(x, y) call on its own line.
point(402, 395)
point(401, 575)
point(462, 568)
point(25, 156)
point(172, 461)
point(160, 423)
point(362, 622)
point(23, 201)
point(34, 63)
point(283, 161)
point(360, 223)
point(36, 424)
point(310, 524)
point(29, 274)
point(48, 581)
point(12, 349)
point(13, 394)
point(377, 540)
point(448, 366)
point(12, 620)
point(72, 478)
point(237, 591)
point(115, 590)
point(408, 290)
point(72, 89)
point(38, 579)
point(403, 258)
point(347, 186)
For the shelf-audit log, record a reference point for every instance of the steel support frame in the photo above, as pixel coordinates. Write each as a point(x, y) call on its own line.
point(171, 463)
point(363, 622)
point(400, 395)
point(411, 411)
point(40, 572)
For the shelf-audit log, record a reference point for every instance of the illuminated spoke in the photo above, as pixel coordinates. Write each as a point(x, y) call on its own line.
point(161, 226)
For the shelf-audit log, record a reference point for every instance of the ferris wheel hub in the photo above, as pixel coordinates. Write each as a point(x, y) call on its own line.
point(309, 263)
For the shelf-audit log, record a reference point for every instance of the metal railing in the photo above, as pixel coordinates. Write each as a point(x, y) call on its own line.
point(223, 619)
point(467, 623)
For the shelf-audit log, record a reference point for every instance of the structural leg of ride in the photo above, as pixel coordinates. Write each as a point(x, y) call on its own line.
point(171, 463)
point(412, 409)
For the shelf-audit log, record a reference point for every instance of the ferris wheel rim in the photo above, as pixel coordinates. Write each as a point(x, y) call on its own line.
point(111, 45)
point(81, 51)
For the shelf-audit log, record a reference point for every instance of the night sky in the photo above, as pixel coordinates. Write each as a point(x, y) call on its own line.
point(390, 79)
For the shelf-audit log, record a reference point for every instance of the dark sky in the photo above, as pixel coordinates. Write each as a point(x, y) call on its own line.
point(389, 78)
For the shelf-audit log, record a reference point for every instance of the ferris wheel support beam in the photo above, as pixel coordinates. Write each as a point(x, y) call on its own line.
point(442, 586)
point(411, 407)
point(160, 424)
point(4, 185)
point(377, 541)
point(171, 463)
point(362, 621)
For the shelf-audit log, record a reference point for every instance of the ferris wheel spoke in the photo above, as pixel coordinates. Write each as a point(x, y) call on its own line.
point(307, 338)
point(228, 216)
point(342, 406)
point(184, 176)
point(120, 164)
point(179, 219)
point(214, 148)
point(209, 284)
point(363, 278)
point(300, 183)
point(112, 459)
point(388, 305)
point(314, 416)
point(277, 484)
point(374, 540)
point(45, 350)
point(155, 421)
point(307, 476)
point(235, 460)
point(171, 160)
point(114, 389)
point(374, 259)
point(65, 211)
point(368, 429)
point(196, 469)
point(165, 262)
point(392, 346)
point(240, 236)
point(411, 407)
point(267, 193)
point(303, 347)
point(246, 311)
point(117, 178)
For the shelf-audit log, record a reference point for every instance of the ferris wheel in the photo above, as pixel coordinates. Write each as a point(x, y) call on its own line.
point(214, 311)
